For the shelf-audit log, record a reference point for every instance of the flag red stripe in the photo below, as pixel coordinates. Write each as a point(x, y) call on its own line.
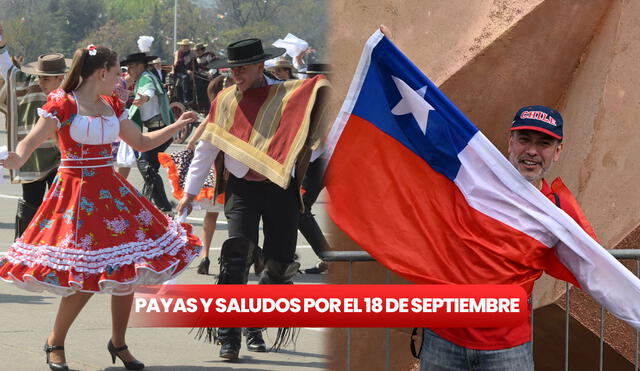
point(429, 233)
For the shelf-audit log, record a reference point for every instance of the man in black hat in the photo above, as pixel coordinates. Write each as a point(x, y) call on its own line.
point(150, 109)
point(35, 80)
point(249, 197)
point(535, 144)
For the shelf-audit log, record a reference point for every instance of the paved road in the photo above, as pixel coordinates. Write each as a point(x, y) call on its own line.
point(26, 318)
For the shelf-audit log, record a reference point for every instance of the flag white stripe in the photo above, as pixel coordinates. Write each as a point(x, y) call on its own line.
point(352, 94)
point(493, 186)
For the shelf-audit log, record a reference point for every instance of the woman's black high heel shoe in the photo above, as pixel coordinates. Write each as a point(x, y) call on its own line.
point(133, 365)
point(52, 365)
point(203, 268)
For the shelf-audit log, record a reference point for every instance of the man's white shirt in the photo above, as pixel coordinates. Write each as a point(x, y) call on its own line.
point(203, 159)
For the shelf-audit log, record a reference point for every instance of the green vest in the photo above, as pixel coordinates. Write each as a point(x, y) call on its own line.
point(149, 81)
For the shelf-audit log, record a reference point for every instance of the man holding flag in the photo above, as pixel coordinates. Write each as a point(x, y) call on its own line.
point(457, 211)
point(535, 144)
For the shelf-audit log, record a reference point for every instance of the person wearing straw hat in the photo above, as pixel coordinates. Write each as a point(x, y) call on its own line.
point(283, 69)
point(183, 67)
point(203, 58)
point(156, 68)
point(35, 80)
point(246, 191)
point(150, 109)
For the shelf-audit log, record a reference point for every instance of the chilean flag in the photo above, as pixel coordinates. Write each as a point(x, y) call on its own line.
point(415, 183)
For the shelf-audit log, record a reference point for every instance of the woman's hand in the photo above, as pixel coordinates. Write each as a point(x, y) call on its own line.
point(186, 118)
point(13, 161)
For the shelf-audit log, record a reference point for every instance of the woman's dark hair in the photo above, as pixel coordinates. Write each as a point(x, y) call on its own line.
point(84, 64)
point(217, 84)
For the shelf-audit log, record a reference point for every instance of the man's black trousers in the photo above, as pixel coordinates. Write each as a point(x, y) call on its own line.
point(246, 202)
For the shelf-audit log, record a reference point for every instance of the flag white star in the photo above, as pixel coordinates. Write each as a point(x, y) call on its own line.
point(412, 102)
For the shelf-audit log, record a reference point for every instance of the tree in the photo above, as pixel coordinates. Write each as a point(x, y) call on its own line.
point(34, 27)
point(71, 21)
point(270, 20)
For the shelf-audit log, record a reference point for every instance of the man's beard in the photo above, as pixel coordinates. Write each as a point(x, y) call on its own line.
point(530, 178)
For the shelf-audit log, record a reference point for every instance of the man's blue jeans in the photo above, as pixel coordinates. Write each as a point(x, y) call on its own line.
point(438, 354)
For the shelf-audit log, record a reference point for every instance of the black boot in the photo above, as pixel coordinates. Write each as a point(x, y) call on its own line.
point(276, 272)
point(255, 342)
point(234, 269)
point(24, 215)
point(235, 259)
point(258, 261)
point(153, 188)
point(229, 338)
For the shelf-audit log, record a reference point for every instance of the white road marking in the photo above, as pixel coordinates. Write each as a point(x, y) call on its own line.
point(297, 247)
point(9, 197)
point(223, 222)
point(317, 329)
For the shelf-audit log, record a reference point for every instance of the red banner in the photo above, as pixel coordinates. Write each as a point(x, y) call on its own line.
point(329, 306)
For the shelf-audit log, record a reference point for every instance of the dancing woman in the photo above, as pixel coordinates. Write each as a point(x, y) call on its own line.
point(94, 233)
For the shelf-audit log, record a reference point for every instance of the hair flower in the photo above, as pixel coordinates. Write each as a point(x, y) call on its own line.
point(92, 49)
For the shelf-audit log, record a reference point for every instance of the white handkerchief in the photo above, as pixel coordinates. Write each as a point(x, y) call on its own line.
point(293, 44)
point(182, 218)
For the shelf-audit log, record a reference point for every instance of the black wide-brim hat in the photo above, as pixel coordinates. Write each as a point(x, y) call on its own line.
point(138, 57)
point(315, 68)
point(245, 52)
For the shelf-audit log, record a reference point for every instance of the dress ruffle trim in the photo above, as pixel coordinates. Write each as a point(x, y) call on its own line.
point(150, 267)
point(48, 115)
point(95, 261)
